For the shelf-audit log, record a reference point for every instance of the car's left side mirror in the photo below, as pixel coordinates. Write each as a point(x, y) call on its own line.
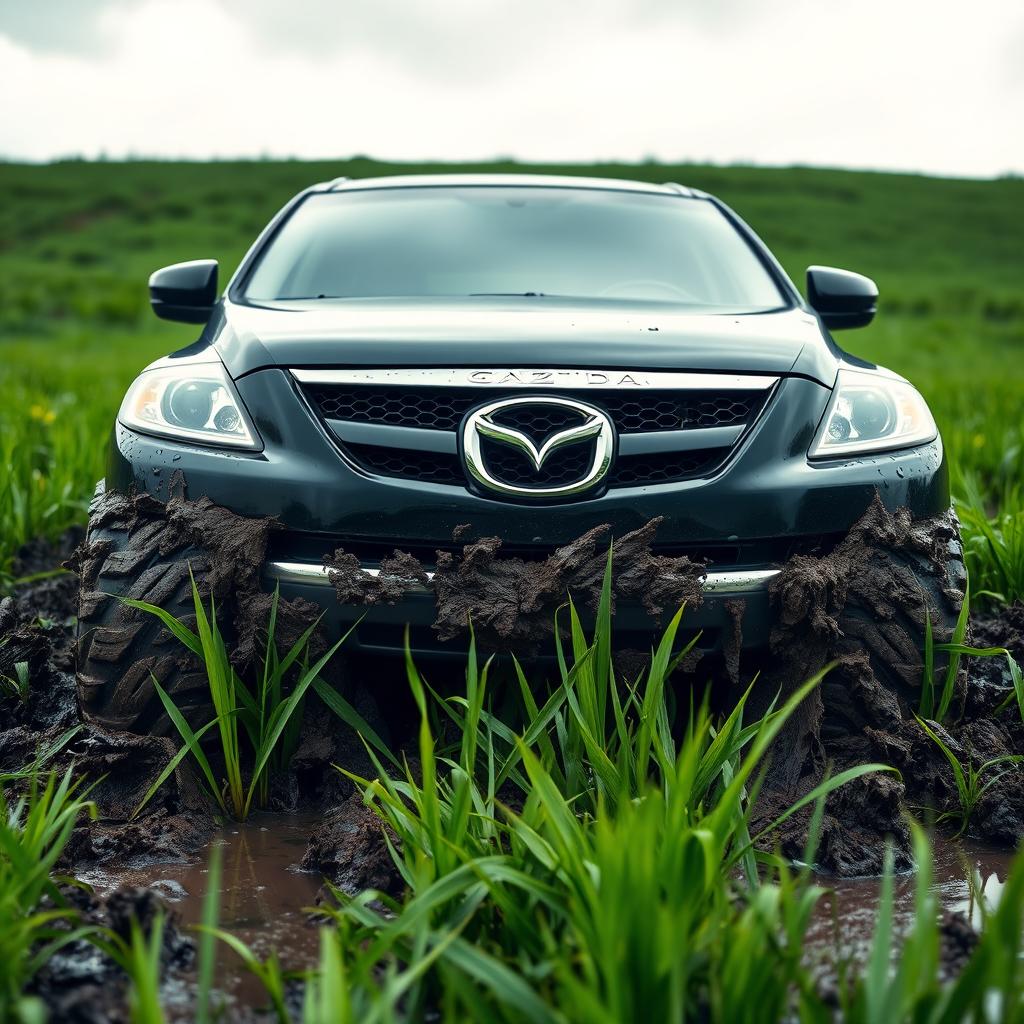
point(186, 292)
point(841, 298)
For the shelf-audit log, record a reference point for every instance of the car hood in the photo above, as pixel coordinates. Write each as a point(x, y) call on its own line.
point(518, 332)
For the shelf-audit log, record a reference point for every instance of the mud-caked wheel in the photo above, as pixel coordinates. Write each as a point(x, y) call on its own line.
point(867, 605)
point(120, 650)
point(889, 624)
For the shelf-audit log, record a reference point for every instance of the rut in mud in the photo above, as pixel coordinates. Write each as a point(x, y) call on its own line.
point(855, 605)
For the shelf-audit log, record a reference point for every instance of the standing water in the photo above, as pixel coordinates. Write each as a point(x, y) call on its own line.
point(264, 896)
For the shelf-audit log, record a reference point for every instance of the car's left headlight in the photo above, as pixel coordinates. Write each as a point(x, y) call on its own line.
point(189, 401)
point(871, 413)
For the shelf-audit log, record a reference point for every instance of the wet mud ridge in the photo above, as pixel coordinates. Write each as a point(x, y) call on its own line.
point(511, 602)
point(860, 605)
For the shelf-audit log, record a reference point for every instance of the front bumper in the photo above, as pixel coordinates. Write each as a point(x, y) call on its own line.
point(382, 627)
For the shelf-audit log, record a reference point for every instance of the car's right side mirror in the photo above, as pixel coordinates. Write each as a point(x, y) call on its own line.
point(186, 292)
point(841, 298)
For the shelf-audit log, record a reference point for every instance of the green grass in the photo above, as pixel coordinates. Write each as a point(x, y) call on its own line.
point(268, 718)
point(994, 539)
point(35, 919)
point(630, 892)
point(78, 240)
point(16, 685)
point(972, 781)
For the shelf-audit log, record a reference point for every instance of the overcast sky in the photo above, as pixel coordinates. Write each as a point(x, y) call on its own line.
point(935, 86)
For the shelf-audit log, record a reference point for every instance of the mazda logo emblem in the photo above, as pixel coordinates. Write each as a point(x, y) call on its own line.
point(482, 424)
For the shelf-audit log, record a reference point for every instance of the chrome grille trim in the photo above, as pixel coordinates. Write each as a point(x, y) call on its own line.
point(541, 379)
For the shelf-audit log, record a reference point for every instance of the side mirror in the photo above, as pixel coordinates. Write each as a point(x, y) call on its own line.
point(841, 298)
point(186, 292)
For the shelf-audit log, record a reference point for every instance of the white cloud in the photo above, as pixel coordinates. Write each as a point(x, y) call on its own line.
point(878, 84)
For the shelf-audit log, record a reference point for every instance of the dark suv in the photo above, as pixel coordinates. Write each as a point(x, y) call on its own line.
point(529, 355)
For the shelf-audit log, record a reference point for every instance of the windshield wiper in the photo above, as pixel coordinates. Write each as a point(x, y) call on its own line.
point(506, 295)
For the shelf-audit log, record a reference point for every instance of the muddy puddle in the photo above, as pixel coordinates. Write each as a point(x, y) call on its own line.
point(968, 878)
point(263, 894)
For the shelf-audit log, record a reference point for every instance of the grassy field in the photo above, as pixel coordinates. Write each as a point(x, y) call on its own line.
point(78, 240)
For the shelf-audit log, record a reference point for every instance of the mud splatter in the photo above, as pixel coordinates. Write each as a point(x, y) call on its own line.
point(353, 585)
point(511, 601)
point(733, 645)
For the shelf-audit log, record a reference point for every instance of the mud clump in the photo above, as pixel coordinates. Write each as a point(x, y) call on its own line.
point(511, 602)
point(350, 851)
point(81, 984)
point(871, 594)
point(399, 573)
point(225, 551)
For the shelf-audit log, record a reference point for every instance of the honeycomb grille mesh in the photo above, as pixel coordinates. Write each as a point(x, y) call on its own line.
point(443, 408)
point(562, 467)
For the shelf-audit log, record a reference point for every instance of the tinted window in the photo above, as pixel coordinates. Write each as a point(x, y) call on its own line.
point(489, 240)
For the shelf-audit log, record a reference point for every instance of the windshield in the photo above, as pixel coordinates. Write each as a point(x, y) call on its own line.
point(532, 242)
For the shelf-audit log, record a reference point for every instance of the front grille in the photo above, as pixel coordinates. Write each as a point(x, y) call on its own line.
point(444, 408)
point(410, 463)
point(665, 467)
point(634, 412)
point(538, 421)
point(563, 467)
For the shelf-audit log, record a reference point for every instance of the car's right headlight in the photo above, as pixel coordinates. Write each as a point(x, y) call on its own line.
point(870, 412)
point(189, 401)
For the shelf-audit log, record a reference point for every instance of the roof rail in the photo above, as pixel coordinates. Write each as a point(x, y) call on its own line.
point(683, 190)
point(337, 181)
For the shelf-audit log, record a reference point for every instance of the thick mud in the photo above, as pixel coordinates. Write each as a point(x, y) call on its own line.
point(266, 895)
point(272, 871)
point(969, 876)
point(512, 602)
point(860, 606)
point(81, 985)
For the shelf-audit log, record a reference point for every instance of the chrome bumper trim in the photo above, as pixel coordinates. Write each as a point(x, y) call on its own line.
point(735, 581)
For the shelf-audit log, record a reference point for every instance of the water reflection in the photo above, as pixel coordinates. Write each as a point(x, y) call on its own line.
point(262, 896)
point(969, 879)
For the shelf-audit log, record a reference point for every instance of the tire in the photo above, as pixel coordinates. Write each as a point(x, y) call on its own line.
point(884, 619)
point(119, 649)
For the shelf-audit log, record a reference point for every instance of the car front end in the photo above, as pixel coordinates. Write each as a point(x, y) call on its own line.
point(384, 374)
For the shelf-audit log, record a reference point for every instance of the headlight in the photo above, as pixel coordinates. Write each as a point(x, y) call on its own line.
point(194, 401)
point(872, 413)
